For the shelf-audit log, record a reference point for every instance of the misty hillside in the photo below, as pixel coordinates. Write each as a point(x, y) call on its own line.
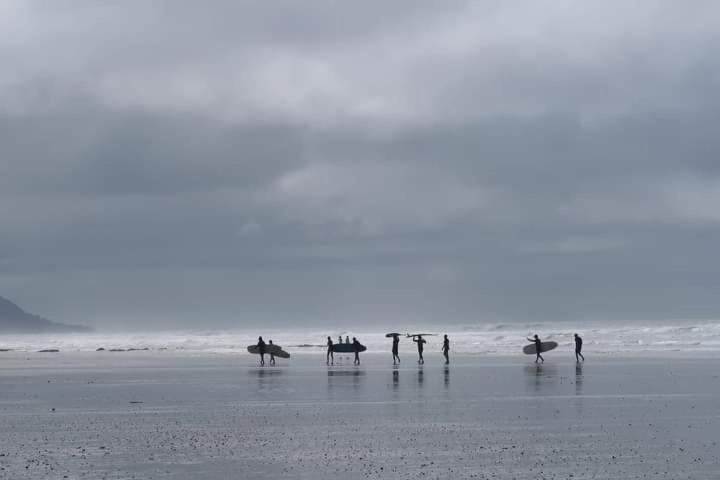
point(14, 319)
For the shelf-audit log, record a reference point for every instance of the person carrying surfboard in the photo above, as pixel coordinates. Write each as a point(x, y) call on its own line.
point(578, 348)
point(420, 345)
point(272, 356)
point(330, 357)
point(446, 349)
point(261, 350)
point(538, 348)
point(356, 349)
point(396, 343)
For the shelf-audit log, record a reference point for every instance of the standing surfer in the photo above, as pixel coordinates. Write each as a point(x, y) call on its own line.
point(347, 339)
point(270, 350)
point(340, 339)
point(330, 358)
point(578, 348)
point(261, 350)
point(538, 348)
point(420, 341)
point(396, 342)
point(356, 349)
point(446, 349)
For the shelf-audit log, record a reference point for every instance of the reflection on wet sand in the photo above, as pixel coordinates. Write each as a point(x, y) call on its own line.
point(447, 376)
point(396, 378)
point(540, 374)
point(346, 377)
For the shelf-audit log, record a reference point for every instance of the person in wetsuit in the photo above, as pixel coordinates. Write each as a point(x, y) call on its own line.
point(272, 356)
point(396, 342)
point(330, 358)
point(578, 348)
point(261, 350)
point(420, 345)
point(340, 339)
point(538, 347)
point(356, 349)
point(347, 339)
point(446, 349)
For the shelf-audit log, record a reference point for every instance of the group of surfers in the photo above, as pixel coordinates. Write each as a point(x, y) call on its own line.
point(418, 339)
point(262, 348)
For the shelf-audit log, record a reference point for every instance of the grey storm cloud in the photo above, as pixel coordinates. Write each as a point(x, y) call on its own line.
point(172, 163)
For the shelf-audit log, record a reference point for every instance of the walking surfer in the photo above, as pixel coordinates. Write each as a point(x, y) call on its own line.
point(330, 358)
point(356, 349)
point(420, 341)
point(538, 348)
point(261, 350)
point(272, 357)
point(578, 348)
point(396, 342)
point(446, 349)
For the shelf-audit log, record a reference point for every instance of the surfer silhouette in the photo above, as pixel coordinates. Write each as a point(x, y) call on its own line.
point(446, 349)
point(578, 348)
point(340, 339)
point(356, 349)
point(272, 357)
point(538, 348)
point(261, 350)
point(396, 342)
point(347, 339)
point(330, 358)
point(420, 346)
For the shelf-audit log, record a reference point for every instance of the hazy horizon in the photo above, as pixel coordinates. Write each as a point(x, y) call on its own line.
point(175, 165)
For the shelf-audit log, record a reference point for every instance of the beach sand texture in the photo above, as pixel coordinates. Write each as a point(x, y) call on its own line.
point(148, 415)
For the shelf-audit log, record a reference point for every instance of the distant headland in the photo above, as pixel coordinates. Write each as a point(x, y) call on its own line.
point(14, 319)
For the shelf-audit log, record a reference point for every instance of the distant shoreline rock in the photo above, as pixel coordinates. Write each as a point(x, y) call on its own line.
point(15, 320)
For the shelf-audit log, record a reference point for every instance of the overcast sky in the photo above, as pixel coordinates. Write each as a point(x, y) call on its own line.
point(228, 163)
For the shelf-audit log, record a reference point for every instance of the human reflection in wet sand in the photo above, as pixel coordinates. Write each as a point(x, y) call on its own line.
point(540, 374)
point(420, 376)
point(396, 379)
point(578, 378)
point(447, 376)
point(266, 376)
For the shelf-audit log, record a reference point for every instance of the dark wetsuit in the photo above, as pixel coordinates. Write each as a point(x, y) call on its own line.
point(446, 349)
point(261, 351)
point(578, 348)
point(420, 341)
point(330, 357)
point(356, 349)
point(538, 348)
point(396, 342)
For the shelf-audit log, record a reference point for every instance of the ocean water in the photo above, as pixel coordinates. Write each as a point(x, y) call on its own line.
point(488, 339)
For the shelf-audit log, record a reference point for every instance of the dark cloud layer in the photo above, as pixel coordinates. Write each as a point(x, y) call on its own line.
point(172, 164)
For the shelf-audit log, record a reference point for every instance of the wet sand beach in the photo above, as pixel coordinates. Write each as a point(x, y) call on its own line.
point(161, 415)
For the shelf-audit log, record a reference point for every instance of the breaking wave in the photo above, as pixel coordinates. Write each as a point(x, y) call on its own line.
point(491, 339)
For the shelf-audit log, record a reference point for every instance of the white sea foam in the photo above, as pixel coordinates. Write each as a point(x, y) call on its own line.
point(497, 339)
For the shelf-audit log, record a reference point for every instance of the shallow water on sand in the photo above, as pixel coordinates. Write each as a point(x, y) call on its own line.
point(140, 415)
